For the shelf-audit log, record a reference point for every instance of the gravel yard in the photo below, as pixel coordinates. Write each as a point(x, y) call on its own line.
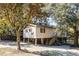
point(56, 53)
point(14, 52)
point(9, 48)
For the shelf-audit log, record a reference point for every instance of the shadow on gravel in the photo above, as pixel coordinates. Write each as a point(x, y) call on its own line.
point(55, 53)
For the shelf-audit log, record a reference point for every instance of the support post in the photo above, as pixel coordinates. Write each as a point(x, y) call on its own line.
point(42, 41)
point(47, 41)
point(36, 41)
point(23, 39)
point(28, 40)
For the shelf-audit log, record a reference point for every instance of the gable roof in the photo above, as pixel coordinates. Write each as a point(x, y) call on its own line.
point(38, 25)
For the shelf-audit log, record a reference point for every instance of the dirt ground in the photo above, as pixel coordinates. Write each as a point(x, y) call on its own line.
point(8, 48)
point(14, 52)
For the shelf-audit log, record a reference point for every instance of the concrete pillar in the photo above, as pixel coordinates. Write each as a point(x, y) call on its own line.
point(47, 41)
point(36, 41)
point(42, 41)
point(24, 39)
point(28, 40)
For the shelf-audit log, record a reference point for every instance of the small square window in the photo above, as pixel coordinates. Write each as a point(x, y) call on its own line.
point(42, 30)
point(26, 30)
point(30, 30)
point(32, 33)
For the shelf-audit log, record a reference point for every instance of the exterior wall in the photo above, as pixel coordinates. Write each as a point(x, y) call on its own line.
point(49, 32)
point(29, 34)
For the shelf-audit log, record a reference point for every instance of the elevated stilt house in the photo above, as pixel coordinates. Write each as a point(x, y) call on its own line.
point(36, 32)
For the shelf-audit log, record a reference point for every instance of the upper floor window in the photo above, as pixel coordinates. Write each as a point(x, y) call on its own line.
point(26, 30)
point(30, 30)
point(42, 30)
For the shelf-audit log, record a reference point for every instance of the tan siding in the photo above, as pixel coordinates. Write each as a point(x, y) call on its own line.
point(48, 33)
point(37, 34)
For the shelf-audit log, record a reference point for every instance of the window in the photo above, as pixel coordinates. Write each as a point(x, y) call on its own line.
point(42, 30)
point(26, 30)
point(32, 33)
point(30, 30)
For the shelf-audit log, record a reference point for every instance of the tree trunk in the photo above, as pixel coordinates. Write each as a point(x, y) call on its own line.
point(76, 36)
point(0, 38)
point(18, 40)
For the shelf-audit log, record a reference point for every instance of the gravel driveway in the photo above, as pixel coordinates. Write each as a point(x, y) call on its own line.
point(39, 49)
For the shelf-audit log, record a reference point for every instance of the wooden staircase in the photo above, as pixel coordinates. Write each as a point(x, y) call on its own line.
point(52, 41)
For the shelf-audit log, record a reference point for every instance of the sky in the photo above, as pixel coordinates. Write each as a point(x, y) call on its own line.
point(52, 21)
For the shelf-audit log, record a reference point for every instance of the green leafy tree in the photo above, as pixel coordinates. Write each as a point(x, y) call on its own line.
point(67, 14)
point(4, 28)
point(19, 15)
